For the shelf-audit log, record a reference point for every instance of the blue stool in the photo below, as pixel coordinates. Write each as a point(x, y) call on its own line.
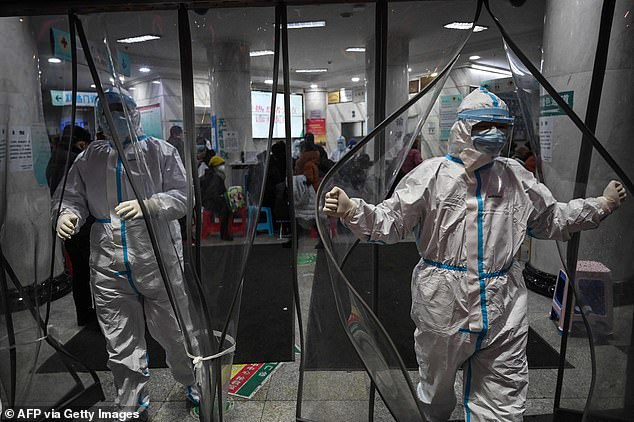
point(268, 224)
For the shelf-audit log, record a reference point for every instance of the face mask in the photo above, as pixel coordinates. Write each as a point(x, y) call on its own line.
point(120, 124)
point(488, 141)
point(221, 168)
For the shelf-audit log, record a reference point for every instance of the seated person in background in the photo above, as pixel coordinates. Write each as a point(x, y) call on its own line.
point(524, 155)
point(212, 192)
point(308, 164)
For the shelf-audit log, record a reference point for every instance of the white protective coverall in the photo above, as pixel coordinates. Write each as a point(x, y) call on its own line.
point(470, 212)
point(127, 287)
point(341, 149)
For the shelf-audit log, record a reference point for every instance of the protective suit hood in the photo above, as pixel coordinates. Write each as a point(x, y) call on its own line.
point(126, 117)
point(479, 106)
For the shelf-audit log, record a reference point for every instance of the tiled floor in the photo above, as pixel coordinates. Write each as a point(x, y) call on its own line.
point(334, 395)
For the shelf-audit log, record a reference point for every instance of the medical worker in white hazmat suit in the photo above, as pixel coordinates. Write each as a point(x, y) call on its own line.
point(470, 211)
point(127, 286)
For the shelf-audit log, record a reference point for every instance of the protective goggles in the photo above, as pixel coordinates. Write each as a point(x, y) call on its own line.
point(492, 114)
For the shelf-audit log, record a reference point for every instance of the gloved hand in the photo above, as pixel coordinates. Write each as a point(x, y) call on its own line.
point(338, 204)
point(613, 195)
point(66, 224)
point(131, 210)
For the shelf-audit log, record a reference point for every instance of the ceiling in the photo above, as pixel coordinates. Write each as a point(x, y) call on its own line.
point(420, 24)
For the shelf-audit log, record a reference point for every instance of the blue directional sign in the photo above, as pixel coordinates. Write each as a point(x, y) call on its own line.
point(65, 98)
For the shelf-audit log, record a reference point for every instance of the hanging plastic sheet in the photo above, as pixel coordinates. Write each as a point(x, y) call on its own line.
point(33, 271)
point(572, 162)
point(369, 171)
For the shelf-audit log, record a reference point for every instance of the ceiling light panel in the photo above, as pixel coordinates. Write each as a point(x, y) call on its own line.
point(139, 38)
point(465, 26)
point(261, 53)
point(355, 49)
point(311, 70)
point(309, 24)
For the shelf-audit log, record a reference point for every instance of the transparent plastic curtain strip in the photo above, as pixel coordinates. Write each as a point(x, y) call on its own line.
point(363, 328)
point(26, 293)
point(209, 329)
point(528, 80)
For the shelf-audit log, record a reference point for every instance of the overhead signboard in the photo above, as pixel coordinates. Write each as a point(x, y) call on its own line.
point(65, 98)
point(60, 42)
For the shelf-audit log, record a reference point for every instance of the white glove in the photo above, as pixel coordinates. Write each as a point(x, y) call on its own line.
point(131, 210)
point(613, 195)
point(338, 204)
point(66, 224)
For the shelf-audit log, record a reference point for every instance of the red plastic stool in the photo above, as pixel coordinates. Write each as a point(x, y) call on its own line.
point(209, 224)
point(238, 221)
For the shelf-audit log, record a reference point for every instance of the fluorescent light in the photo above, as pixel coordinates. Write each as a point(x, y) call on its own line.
point(261, 53)
point(465, 26)
point(93, 86)
point(474, 57)
point(433, 75)
point(311, 70)
point(139, 38)
point(156, 82)
point(268, 81)
point(409, 69)
point(122, 78)
point(54, 60)
point(355, 79)
point(490, 69)
point(112, 81)
point(313, 86)
point(355, 49)
point(144, 69)
point(131, 88)
point(309, 24)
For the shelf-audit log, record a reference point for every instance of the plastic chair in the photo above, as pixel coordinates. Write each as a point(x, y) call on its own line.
point(267, 224)
point(209, 224)
point(238, 221)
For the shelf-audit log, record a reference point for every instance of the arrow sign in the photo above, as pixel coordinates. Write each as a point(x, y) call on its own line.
point(64, 98)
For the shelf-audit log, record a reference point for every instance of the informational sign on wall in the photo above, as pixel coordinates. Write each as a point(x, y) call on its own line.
point(546, 126)
point(448, 113)
point(20, 153)
point(3, 148)
point(41, 152)
point(230, 138)
point(151, 120)
point(358, 94)
point(548, 106)
point(318, 128)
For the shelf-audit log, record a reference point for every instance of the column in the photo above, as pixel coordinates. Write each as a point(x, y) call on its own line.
point(26, 237)
point(568, 56)
point(230, 95)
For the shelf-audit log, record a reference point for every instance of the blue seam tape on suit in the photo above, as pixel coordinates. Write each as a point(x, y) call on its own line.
point(128, 271)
